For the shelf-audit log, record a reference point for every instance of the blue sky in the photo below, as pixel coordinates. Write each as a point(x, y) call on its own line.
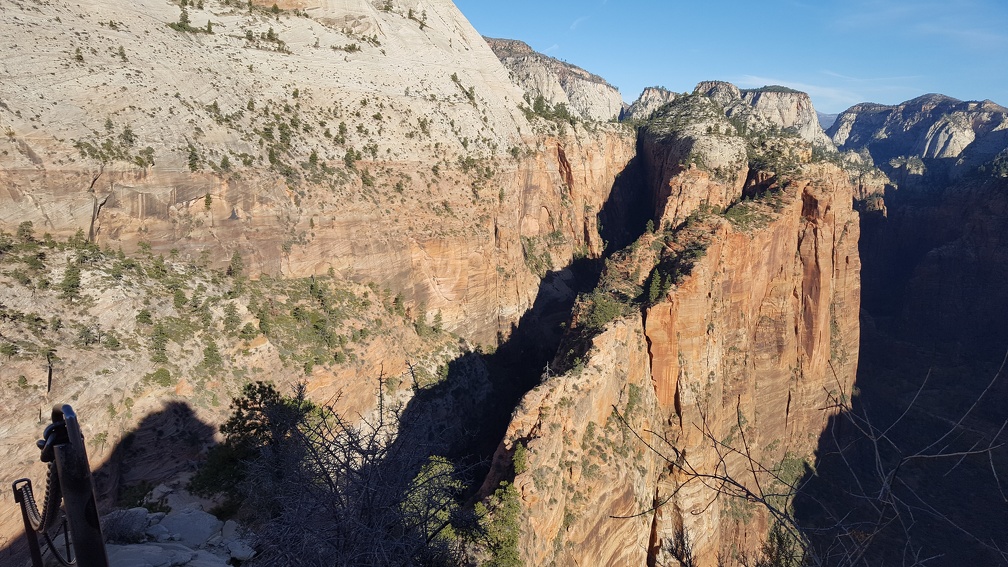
point(839, 51)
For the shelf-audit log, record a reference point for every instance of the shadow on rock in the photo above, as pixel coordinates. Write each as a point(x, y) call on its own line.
point(163, 445)
point(465, 416)
point(915, 470)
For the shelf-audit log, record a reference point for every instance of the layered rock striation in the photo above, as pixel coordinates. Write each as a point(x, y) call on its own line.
point(384, 143)
point(739, 319)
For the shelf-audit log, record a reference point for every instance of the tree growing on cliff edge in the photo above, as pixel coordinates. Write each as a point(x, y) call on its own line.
point(237, 266)
point(71, 283)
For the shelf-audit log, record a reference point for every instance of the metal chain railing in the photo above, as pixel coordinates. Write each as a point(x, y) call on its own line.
point(69, 481)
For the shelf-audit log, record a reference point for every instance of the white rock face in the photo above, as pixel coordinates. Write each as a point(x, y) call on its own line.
point(935, 127)
point(770, 106)
point(758, 108)
point(948, 137)
point(82, 70)
point(585, 94)
point(648, 102)
point(725, 94)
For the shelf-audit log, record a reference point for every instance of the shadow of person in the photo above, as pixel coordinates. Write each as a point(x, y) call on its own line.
point(163, 445)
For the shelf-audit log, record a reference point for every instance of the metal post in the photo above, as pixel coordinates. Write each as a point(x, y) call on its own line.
point(79, 495)
point(30, 535)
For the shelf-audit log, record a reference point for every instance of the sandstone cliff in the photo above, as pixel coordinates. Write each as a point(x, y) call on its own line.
point(379, 146)
point(753, 321)
point(692, 133)
point(933, 302)
point(932, 135)
point(585, 94)
point(384, 144)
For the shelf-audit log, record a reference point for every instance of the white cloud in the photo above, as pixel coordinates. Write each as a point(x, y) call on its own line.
point(578, 22)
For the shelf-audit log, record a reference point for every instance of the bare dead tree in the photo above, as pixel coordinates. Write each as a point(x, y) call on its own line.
point(50, 354)
point(96, 204)
point(884, 498)
point(333, 491)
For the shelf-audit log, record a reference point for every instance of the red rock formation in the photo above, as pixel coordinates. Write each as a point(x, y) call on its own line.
point(760, 330)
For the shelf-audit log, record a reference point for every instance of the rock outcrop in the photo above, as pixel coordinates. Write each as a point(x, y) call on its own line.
point(692, 134)
point(772, 106)
point(752, 336)
point(183, 538)
point(585, 94)
point(931, 136)
point(650, 100)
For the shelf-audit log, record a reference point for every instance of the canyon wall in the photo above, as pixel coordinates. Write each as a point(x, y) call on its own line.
point(933, 246)
point(385, 145)
point(379, 146)
point(749, 342)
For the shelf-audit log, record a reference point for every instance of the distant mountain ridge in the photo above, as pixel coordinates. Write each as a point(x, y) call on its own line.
point(948, 136)
point(826, 120)
point(586, 94)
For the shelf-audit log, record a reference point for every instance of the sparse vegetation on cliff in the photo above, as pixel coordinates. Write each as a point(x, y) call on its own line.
point(202, 335)
point(339, 493)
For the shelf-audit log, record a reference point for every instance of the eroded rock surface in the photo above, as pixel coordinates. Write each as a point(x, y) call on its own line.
point(756, 334)
point(931, 132)
point(585, 94)
point(385, 145)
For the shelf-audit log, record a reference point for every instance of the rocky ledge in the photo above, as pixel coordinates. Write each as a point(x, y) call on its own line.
point(189, 537)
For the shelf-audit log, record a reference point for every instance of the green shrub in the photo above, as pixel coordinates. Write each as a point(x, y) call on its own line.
point(161, 377)
point(159, 344)
point(499, 521)
point(211, 354)
point(520, 458)
point(600, 308)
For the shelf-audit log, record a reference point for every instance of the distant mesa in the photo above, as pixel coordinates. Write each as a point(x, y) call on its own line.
point(766, 107)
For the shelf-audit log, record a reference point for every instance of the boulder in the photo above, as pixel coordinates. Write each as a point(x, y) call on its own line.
point(149, 555)
point(240, 550)
point(193, 527)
